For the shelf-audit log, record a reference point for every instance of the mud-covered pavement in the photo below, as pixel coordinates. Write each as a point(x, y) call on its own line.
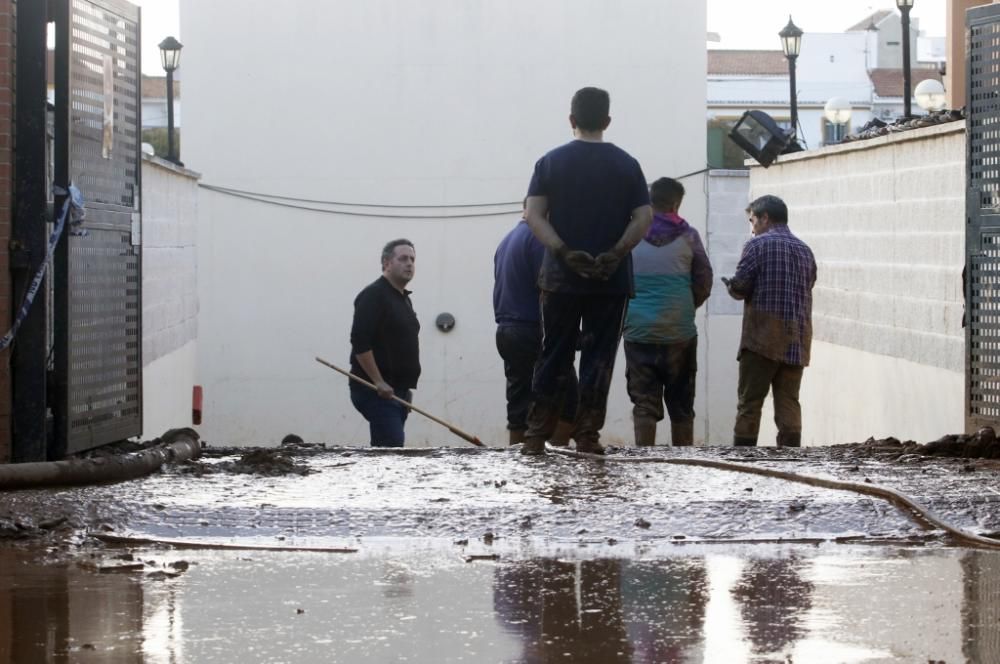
point(468, 555)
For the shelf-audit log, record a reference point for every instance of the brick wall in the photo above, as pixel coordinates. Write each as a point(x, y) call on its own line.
point(886, 221)
point(169, 294)
point(169, 258)
point(7, 24)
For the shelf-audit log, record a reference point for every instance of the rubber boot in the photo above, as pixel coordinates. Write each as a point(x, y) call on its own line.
point(533, 446)
point(789, 439)
point(589, 446)
point(682, 433)
point(515, 436)
point(645, 432)
point(740, 441)
point(563, 432)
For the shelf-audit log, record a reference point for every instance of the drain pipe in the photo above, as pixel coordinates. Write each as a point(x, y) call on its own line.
point(176, 445)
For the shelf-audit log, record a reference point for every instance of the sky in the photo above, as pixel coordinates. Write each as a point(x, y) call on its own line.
point(739, 23)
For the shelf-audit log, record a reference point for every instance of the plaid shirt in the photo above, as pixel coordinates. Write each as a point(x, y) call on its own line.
point(775, 277)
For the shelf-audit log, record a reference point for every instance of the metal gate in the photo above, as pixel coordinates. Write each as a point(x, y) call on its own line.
point(98, 287)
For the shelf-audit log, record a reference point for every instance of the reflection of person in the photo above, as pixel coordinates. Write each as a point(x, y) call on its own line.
point(516, 265)
point(664, 602)
point(673, 277)
point(384, 346)
point(774, 599)
point(563, 611)
point(774, 278)
point(588, 204)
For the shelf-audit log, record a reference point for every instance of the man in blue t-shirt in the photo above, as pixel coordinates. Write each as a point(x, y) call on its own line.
point(589, 206)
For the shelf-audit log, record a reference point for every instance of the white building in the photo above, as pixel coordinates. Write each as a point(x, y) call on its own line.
point(154, 102)
point(388, 103)
point(830, 65)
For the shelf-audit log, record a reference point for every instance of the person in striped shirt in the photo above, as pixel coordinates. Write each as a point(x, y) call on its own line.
point(673, 277)
point(774, 278)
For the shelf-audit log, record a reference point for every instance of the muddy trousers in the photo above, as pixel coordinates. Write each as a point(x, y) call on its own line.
point(519, 346)
point(758, 375)
point(658, 374)
point(594, 322)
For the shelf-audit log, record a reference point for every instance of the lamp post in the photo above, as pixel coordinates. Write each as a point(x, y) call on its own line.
point(904, 8)
point(791, 44)
point(930, 95)
point(170, 58)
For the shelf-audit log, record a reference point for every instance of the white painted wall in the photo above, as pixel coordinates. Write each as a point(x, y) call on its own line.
point(390, 102)
point(728, 230)
point(169, 294)
point(886, 221)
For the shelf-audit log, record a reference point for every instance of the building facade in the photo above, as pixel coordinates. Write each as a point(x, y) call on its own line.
point(374, 120)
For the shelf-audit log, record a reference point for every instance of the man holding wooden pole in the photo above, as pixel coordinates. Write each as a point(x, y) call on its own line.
point(384, 346)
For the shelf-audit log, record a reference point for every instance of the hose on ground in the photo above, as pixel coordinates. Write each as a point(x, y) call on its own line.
point(177, 445)
point(917, 512)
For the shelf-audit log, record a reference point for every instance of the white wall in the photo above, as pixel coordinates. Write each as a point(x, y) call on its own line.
point(389, 102)
point(169, 294)
point(886, 221)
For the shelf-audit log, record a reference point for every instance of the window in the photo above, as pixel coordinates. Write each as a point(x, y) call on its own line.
point(834, 133)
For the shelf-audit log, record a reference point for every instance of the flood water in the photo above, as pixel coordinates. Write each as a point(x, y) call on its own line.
point(487, 557)
point(832, 603)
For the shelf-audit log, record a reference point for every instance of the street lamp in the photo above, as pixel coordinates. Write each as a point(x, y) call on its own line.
point(904, 7)
point(837, 112)
point(170, 58)
point(791, 44)
point(930, 95)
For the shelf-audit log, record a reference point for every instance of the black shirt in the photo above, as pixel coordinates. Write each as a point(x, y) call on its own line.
point(385, 323)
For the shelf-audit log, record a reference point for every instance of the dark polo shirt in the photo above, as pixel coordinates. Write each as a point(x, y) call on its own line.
point(385, 323)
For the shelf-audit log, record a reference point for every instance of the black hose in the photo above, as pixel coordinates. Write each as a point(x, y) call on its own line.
point(177, 445)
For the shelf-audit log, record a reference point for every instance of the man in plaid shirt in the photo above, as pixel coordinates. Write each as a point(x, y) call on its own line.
point(774, 278)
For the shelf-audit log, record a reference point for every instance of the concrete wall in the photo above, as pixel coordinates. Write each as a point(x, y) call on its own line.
point(886, 220)
point(391, 102)
point(728, 230)
point(169, 294)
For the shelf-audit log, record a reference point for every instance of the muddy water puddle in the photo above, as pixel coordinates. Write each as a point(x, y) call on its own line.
point(419, 603)
point(455, 556)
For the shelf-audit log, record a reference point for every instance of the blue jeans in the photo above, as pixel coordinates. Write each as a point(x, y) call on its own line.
point(386, 417)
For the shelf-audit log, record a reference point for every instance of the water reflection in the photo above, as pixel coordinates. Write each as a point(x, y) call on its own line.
point(750, 604)
point(564, 611)
point(774, 600)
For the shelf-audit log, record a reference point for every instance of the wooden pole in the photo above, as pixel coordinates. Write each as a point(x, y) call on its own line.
point(455, 430)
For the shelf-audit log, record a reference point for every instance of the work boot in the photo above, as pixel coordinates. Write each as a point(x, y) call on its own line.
point(515, 436)
point(589, 446)
point(682, 433)
point(789, 439)
point(533, 446)
point(563, 432)
point(741, 441)
point(645, 431)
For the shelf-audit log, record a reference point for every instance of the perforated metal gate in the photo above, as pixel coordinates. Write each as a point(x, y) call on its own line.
point(98, 337)
point(982, 293)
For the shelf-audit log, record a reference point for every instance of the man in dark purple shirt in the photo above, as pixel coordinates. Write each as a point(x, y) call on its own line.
point(774, 278)
point(588, 204)
point(516, 265)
